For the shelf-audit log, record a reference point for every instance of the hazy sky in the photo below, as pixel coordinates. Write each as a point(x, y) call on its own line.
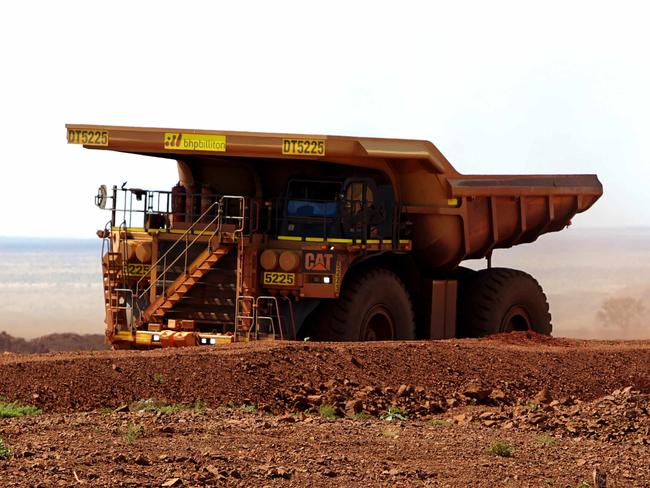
point(499, 87)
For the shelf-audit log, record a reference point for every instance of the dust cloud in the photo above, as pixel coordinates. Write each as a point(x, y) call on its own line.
point(587, 275)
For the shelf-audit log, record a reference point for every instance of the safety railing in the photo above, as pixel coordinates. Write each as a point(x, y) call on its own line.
point(125, 302)
point(135, 207)
point(143, 210)
point(196, 233)
point(244, 314)
point(249, 322)
point(107, 242)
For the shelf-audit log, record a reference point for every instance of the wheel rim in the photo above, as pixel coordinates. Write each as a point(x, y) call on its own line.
point(517, 319)
point(378, 324)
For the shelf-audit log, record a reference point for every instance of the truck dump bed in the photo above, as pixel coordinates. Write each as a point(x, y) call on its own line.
point(452, 216)
point(499, 212)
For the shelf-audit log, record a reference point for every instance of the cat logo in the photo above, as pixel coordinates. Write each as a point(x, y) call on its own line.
point(318, 262)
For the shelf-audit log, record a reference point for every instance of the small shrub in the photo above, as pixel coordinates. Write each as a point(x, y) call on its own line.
point(327, 411)
point(5, 452)
point(390, 433)
point(394, 413)
point(151, 405)
point(199, 405)
point(362, 416)
point(142, 405)
point(583, 484)
point(532, 405)
point(500, 448)
point(546, 440)
point(15, 409)
point(158, 378)
point(133, 432)
point(175, 407)
point(248, 408)
point(439, 422)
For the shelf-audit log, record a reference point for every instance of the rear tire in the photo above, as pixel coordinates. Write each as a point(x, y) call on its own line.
point(502, 300)
point(373, 306)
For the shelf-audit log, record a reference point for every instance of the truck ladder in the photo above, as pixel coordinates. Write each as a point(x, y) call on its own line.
point(115, 300)
point(219, 244)
point(111, 266)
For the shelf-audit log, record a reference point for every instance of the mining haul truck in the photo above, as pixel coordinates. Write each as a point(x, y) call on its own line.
point(286, 236)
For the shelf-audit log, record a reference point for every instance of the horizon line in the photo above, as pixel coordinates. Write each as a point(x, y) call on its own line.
point(77, 238)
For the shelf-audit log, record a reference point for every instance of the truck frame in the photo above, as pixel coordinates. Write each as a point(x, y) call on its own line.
point(286, 236)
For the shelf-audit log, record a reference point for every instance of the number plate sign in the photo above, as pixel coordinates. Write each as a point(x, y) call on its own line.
point(137, 269)
point(303, 147)
point(278, 279)
point(88, 137)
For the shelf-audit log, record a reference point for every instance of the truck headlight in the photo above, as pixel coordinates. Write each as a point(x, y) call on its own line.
point(289, 261)
point(269, 259)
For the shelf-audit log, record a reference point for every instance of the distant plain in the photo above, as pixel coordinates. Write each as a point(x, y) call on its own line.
point(54, 285)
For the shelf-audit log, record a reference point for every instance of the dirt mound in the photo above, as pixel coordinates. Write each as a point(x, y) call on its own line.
point(531, 337)
point(427, 377)
point(52, 342)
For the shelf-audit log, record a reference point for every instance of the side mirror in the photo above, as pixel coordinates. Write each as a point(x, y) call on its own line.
point(101, 197)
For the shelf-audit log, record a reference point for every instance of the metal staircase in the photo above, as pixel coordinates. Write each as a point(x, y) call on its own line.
point(181, 285)
point(218, 236)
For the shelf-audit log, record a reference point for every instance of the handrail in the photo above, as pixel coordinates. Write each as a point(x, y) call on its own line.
point(251, 314)
point(218, 220)
point(125, 251)
point(106, 238)
point(256, 317)
point(128, 308)
point(182, 238)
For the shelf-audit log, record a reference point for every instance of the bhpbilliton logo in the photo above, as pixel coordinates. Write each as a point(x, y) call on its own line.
point(173, 140)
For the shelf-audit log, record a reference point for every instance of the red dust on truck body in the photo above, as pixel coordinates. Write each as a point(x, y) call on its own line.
point(276, 236)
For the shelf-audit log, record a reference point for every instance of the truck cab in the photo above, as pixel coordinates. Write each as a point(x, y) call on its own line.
point(355, 208)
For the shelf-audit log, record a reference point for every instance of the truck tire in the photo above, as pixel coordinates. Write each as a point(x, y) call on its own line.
point(373, 306)
point(501, 300)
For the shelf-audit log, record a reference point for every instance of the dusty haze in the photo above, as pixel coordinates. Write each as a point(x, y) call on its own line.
point(54, 285)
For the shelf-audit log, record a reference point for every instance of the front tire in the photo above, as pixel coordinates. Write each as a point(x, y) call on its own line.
point(498, 300)
point(373, 306)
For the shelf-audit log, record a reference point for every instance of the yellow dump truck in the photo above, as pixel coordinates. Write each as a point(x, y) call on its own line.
point(284, 236)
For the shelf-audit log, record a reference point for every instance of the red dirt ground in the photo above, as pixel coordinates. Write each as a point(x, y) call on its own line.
point(404, 414)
